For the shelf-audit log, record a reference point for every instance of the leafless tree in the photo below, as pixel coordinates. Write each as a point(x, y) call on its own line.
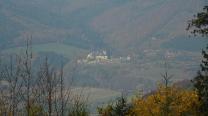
point(166, 76)
point(45, 89)
point(11, 76)
point(48, 82)
point(62, 97)
point(27, 77)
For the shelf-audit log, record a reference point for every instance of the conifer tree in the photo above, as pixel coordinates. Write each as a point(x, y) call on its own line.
point(199, 26)
point(201, 82)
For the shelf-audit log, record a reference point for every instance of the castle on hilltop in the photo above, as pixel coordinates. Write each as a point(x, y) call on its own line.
point(97, 56)
point(102, 57)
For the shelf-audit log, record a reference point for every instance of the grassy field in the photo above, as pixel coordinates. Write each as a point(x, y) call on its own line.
point(96, 97)
point(58, 48)
point(96, 94)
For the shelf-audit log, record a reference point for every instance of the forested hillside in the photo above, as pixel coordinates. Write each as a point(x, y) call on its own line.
point(139, 36)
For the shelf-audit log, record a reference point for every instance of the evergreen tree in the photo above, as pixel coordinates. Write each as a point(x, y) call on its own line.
point(119, 108)
point(199, 26)
point(201, 82)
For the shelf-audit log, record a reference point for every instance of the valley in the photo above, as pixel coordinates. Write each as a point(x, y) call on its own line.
point(151, 32)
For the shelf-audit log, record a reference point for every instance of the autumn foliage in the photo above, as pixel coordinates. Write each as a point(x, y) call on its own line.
point(166, 101)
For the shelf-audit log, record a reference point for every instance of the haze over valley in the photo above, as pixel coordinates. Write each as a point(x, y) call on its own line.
point(112, 46)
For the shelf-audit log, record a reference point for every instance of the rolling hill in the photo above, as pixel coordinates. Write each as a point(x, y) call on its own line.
point(150, 31)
